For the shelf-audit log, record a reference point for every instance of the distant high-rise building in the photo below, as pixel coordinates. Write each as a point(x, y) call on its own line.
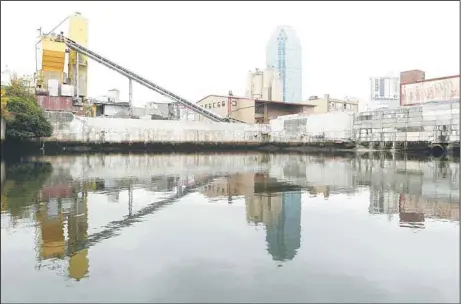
point(284, 52)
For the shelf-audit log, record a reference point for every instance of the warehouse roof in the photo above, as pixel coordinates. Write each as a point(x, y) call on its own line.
point(260, 100)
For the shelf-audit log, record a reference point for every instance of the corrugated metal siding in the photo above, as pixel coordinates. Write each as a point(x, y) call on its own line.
point(55, 103)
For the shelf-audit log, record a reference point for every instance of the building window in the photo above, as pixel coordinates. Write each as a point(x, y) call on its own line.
point(376, 85)
point(382, 87)
point(345, 106)
point(396, 86)
point(223, 103)
point(218, 104)
point(234, 103)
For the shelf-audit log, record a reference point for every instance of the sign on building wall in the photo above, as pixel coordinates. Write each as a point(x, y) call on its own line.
point(436, 90)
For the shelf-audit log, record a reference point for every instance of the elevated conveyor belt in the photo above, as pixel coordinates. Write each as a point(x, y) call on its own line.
point(100, 59)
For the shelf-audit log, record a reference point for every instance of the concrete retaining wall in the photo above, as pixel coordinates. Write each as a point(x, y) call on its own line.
point(335, 126)
point(71, 128)
point(404, 128)
point(407, 128)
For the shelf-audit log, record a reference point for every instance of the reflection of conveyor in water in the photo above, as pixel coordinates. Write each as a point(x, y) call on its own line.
point(113, 227)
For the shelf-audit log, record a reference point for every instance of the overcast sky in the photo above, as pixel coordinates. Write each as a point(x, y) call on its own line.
point(199, 48)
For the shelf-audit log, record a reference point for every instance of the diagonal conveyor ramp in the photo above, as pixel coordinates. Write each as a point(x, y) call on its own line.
point(100, 59)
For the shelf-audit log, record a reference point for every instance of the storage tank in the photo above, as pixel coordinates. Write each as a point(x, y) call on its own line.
point(257, 85)
point(53, 87)
point(249, 85)
point(78, 32)
point(268, 76)
point(277, 87)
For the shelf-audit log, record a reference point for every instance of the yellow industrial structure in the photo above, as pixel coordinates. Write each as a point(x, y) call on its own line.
point(53, 57)
point(52, 243)
point(78, 32)
point(77, 224)
point(75, 84)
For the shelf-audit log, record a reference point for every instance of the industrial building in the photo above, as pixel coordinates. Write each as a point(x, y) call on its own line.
point(52, 55)
point(265, 85)
point(425, 123)
point(423, 91)
point(384, 92)
point(52, 80)
point(249, 110)
point(412, 76)
point(328, 104)
point(284, 52)
point(123, 109)
point(62, 74)
point(411, 88)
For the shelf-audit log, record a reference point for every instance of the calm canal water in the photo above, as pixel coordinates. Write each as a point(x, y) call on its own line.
point(230, 228)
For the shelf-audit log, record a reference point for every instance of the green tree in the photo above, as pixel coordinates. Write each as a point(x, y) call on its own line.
point(26, 119)
point(4, 113)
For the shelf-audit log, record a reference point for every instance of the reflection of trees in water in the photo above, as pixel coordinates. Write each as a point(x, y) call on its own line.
point(22, 184)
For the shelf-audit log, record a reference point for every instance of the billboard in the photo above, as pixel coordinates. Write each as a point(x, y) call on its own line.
point(431, 90)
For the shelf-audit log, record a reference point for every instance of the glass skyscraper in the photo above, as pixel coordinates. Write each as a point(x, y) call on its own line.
point(284, 52)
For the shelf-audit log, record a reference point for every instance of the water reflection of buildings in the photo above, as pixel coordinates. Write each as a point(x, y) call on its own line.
point(412, 189)
point(415, 190)
point(62, 217)
point(63, 206)
point(280, 213)
point(268, 202)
